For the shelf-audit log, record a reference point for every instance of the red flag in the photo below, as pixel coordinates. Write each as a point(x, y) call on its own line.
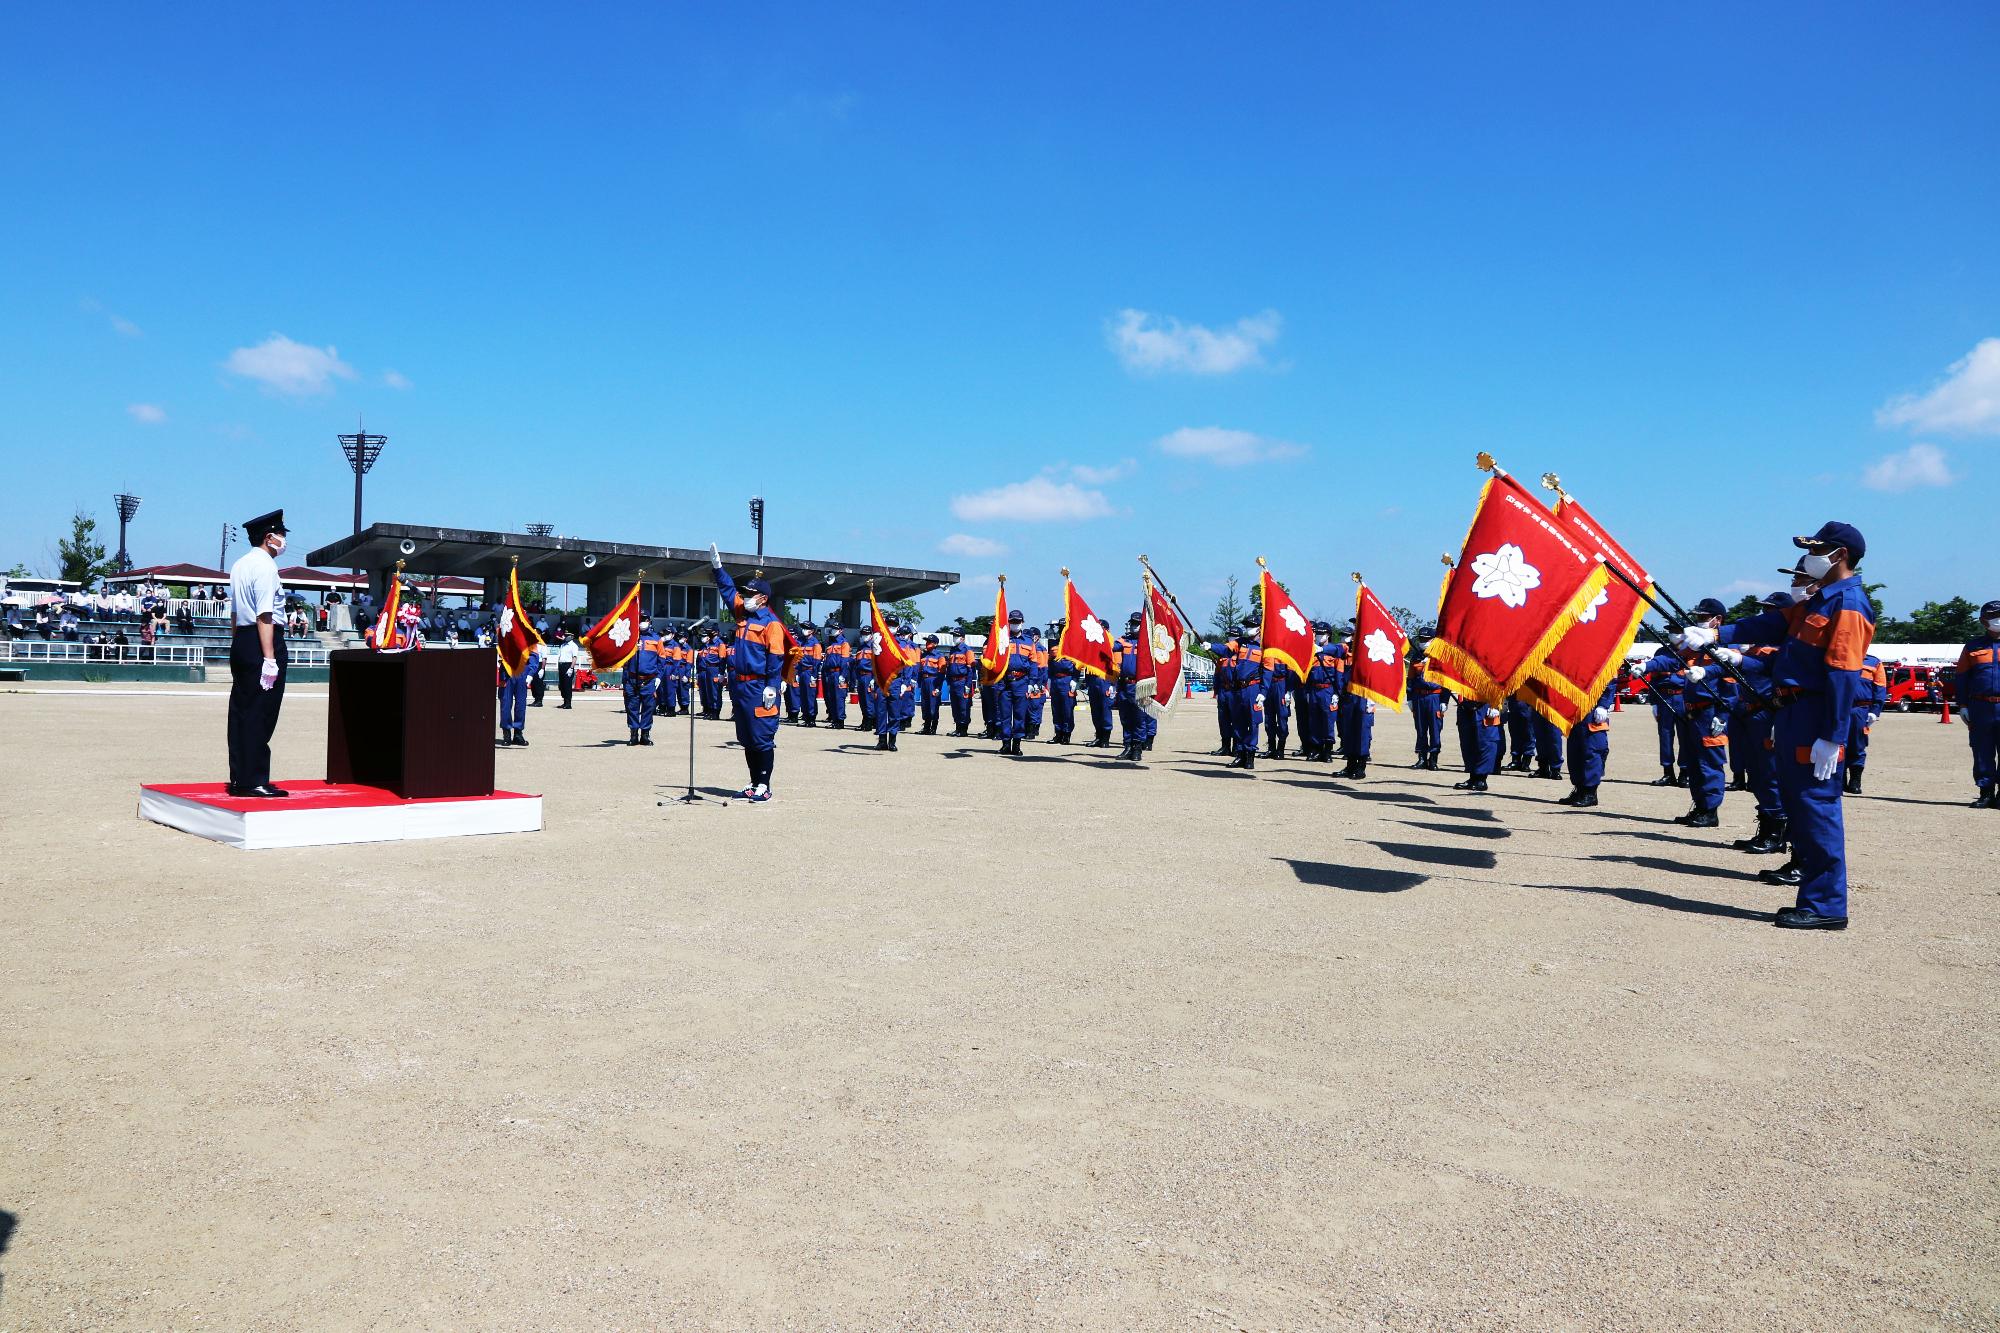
point(993, 657)
point(1376, 652)
point(1573, 678)
point(1287, 635)
point(517, 638)
point(1085, 640)
point(614, 639)
point(1162, 654)
point(890, 657)
point(1518, 587)
point(382, 634)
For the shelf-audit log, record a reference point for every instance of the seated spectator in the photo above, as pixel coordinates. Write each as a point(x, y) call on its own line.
point(43, 625)
point(120, 646)
point(184, 619)
point(68, 625)
point(15, 626)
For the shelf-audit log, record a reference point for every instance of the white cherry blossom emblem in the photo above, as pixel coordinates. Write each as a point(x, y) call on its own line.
point(1505, 574)
point(1380, 647)
point(1092, 630)
point(506, 621)
point(1294, 622)
point(1163, 643)
point(620, 632)
point(1589, 613)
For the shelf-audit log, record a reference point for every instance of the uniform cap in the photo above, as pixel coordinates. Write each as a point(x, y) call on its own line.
point(1990, 610)
point(930, 638)
point(1778, 601)
point(1708, 606)
point(1015, 617)
point(762, 586)
point(1836, 533)
point(257, 528)
point(1252, 622)
point(1322, 627)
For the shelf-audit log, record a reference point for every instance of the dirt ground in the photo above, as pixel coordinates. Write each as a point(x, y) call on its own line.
point(946, 1040)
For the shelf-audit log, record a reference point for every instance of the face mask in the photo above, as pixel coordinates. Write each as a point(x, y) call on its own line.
point(279, 549)
point(1816, 567)
point(1993, 626)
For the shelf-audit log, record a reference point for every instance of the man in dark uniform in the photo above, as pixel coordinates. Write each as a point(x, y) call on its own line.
point(640, 680)
point(756, 673)
point(961, 675)
point(1063, 675)
point(930, 683)
point(1589, 746)
point(257, 657)
point(1427, 700)
point(1977, 682)
point(835, 664)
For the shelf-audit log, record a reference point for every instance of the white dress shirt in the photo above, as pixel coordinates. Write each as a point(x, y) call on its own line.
point(254, 589)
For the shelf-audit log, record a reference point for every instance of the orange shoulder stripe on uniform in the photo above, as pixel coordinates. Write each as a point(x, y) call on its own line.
point(1848, 642)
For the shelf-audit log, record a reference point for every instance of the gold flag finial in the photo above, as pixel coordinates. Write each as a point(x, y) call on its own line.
point(515, 558)
point(1448, 561)
point(1003, 580)
point(1485, 462)
point(871, 587)
point(1261, 564)
point(1357, 576)
point(1550, 481)
point(1065, 571)
point(399, 566)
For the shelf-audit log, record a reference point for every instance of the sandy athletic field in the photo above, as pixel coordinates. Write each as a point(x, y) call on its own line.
point(943, 1040)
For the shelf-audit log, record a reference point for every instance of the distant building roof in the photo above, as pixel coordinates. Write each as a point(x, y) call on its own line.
point(478, 554)
point(171, 574)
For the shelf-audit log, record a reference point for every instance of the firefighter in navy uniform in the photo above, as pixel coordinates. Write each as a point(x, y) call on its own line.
point(836, 663)
point(1318, 697)
point(930, 683)
point(1977, 683)
point(961, 678)
point(1128, 662)
point(1010, 696)
point(1479, 730)
point(1427, 703)
point(1821, 644)
point(1667, 713)
point(1063, 675)
point(640, 680)
point(1589, 748)
point(1707, 695)
point(1869, 702)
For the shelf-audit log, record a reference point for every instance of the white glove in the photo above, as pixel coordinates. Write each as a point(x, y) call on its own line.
point(1825, 759)
point(1695, 636)
point(1260, 701)
point(1492, 715)
point(1695, 673)
point(770, 696)
point(1600, 715)
point(268, 677)
point(1728, 656)
point(1371, 705)
point(714, 556)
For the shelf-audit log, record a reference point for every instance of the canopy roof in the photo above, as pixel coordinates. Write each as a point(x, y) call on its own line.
point(170, 574)
point(301, 576)
point(478, 554)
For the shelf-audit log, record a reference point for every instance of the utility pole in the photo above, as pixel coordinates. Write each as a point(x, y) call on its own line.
point(757, 522)
point(128, 505)
point(362, 449)
point(228, 536)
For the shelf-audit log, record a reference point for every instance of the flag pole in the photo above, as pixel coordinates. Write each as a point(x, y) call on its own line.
point(1187, 621)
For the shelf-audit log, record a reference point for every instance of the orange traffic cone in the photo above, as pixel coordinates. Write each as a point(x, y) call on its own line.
point(1944, 710)
point(1617, 702)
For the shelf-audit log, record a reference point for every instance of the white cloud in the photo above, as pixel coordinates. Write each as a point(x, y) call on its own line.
point(150, 414)
point(1037, 500)
point(1226, 448)
point(1965, 402)
point(1918, 465)
point(1154, 343)
point(961, 543)
point(287, 367)
point(120, 325)
point(1089, 475)
point(396, 379)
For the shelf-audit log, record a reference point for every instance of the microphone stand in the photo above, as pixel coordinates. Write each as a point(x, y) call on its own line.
point(692, 795)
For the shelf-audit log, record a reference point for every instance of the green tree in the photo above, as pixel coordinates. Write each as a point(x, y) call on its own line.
point(1749, 604)
point(906, 611)
point(81, 558)
point(975, 625)
point(1228, 613)
point(1955, 621)
point(17, 571)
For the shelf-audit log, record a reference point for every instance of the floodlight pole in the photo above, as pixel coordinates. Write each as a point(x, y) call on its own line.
point(362, 449)
point(128, 505)
point(757, 522)
point(222, 557)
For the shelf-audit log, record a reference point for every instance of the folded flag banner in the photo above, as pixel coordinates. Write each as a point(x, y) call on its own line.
point(1435, 671)
point(1085, 640)
point(1287, 635)
point(1518, 587)
point(1162, 652)
point(1376, 652)
point(890, 656)
point(1576, 672)
point(516, 637)
point(993, 657)
point(382, 634)
point(614, 639)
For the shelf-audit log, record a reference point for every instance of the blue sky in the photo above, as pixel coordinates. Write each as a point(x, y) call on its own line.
point(1014, 287)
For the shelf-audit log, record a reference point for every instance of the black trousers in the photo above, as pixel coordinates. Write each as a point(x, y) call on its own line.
point(253, 710)
point(566, 681)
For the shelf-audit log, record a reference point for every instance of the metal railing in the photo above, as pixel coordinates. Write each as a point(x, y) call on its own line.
point(172, 654)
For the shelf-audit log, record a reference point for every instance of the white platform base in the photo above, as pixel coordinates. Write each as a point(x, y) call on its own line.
point(319, 815)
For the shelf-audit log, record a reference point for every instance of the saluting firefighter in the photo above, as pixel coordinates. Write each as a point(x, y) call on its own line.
point(756, 674)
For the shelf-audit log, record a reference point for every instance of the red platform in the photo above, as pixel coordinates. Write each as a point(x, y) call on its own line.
point(319, 814)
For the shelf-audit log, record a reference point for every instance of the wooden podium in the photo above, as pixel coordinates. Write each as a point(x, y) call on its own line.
point(419, 724)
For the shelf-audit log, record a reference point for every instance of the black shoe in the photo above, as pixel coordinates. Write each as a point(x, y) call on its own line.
point(1589, 798)
point(506, 738)
point(1574, 798)
point(264, 791)
point(646, 737)
point(1666, 779)
point(1785, 876)
point(1431, 763)
point(562, 705)
point(1470, 784)
point(632, 736)
point(1702, 819)
point(1770, 837)
point(1854, 782)
point(1224, 748)
point(1986, 799)
point(1250, 761)
point(892, 740)
point(520, 736)
point(882, 741)
point(1804, 918)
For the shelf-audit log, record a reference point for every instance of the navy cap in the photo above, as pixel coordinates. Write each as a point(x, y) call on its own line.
point(1709, 606)
point(257, 528)
point(1015, 617)
point(1323, 626)
point(1990, 610)
point(1837, 534)
point(1426, 631)
point(762, 586)
point(930, 638)
point(1778, 601)
point(1253, 622)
